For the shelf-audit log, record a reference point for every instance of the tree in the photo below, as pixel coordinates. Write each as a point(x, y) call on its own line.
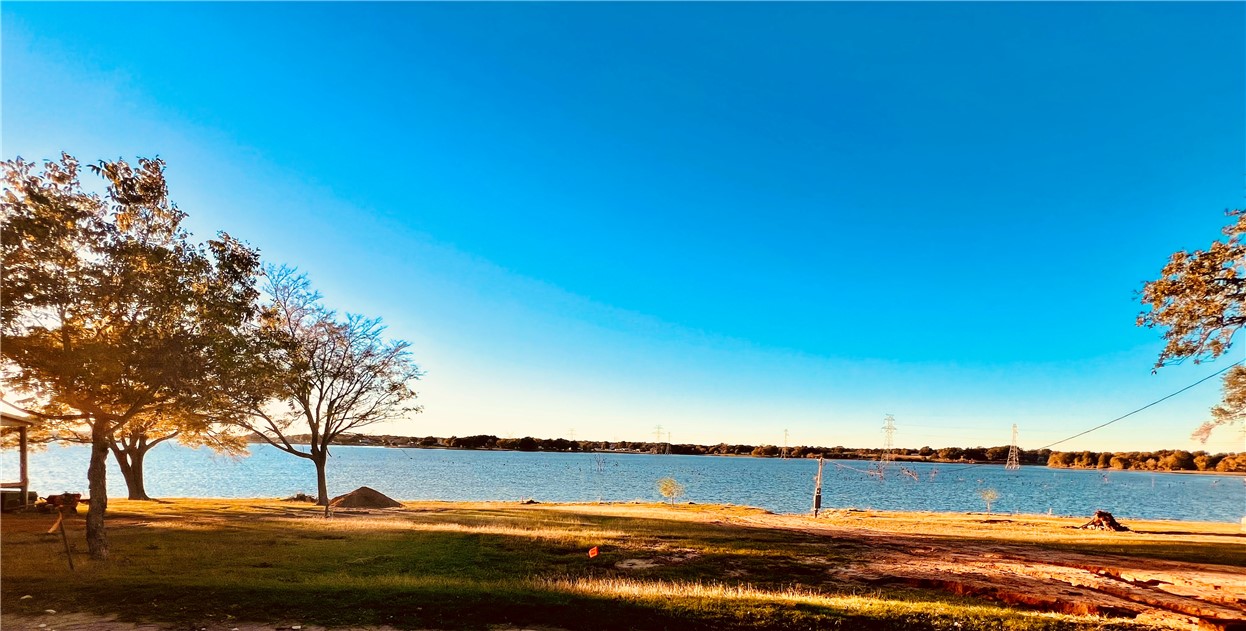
point(1061, 459)
point(479, 441)
point(989, 496)
point(670, 489)
point(110, 317)
point(130, 444)
point(1232, 464)
point(1200, 299)
point(1207, 462)
point(974, 453)
point(998, 453)
point(1232, 409)
point(1179, 460)
point(765, 451)
point(319, 373)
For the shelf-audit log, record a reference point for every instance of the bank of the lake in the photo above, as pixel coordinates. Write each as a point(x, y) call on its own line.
point(782, 486)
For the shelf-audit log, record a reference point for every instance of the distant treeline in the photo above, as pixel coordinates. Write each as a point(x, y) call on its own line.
point(1164, 460)
point(528, 443)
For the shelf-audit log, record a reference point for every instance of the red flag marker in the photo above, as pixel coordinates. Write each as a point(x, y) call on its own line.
point(592, 552)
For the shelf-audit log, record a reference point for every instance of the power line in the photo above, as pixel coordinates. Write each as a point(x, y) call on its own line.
point(1157, 401)
point(1121, 417)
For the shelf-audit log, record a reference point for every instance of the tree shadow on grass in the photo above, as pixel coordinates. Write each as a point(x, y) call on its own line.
point(462, 607)
point(279, 569)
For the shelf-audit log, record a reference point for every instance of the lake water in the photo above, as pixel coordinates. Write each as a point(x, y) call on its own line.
point(783, 486)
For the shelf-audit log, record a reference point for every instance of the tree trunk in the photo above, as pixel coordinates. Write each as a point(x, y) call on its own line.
point(133, 474)
point(97, 539)
point(322, 487)
point(1103, 520)
point(129, 458)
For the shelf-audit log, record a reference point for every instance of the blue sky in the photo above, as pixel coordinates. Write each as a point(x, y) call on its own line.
point(729, 219)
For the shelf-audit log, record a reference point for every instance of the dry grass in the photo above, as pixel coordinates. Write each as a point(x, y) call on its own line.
point(864, 604)
point(469, 565)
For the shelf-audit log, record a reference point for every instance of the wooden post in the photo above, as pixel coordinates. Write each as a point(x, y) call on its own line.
point(817, 489)
point(24, 480)
point(65, 538)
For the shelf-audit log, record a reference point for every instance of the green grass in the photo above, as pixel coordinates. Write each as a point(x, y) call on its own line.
point(469, 566)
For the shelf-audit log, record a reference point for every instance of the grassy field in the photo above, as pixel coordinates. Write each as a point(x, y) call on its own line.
point(209, 563)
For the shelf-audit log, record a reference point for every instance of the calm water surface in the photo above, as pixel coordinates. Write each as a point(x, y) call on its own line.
point(784, 486)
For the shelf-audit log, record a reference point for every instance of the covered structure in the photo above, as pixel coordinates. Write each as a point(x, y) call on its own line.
point(22, 425)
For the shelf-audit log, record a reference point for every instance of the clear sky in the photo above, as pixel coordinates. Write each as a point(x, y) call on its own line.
point(727, 219)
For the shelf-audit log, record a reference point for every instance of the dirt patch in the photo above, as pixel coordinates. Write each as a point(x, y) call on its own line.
point(664, 557)
point(1179, 595)
point(635, 564)
point(364, 497)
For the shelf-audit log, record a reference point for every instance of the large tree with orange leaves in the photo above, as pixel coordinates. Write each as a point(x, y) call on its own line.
point(111, 317)
point(1200, 302)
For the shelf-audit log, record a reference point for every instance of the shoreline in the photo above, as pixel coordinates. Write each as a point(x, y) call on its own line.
point(900, 460)
point(785, 488)
point(827, 513)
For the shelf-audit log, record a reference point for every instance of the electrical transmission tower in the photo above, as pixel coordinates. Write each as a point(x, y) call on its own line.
point(889, 443)
point(783, 454)
point(1014, 458)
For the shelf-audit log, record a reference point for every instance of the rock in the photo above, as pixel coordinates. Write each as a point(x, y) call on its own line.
point(364, 497)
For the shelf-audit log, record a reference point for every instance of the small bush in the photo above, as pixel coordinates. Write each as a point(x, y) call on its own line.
point(670, 489)
point(989, 496)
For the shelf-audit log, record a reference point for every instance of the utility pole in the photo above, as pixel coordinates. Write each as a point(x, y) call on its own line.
point(1014, 457)
point(817, 489)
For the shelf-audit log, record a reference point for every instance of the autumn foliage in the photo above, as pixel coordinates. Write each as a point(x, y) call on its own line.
point(1199, 297)
point(1200, 302)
